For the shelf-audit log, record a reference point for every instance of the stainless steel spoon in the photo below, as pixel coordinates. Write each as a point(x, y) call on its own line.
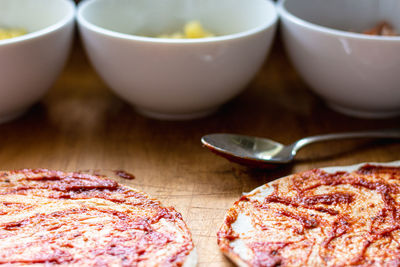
point(263, 152)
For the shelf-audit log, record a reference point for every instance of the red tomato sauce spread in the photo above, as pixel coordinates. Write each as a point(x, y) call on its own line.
point(124, 174)
point(317, 218)
point(75, 219)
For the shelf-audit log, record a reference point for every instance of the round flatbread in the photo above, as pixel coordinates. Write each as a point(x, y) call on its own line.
point(323, 217)
point(73, 219)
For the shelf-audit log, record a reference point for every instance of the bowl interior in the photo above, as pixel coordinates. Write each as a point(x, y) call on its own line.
point(154, 17)
point(354, 15)
point(34, 15)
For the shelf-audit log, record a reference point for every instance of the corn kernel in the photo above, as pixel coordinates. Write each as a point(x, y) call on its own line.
point(194, 29)
point(11, 33)
point(191, 30)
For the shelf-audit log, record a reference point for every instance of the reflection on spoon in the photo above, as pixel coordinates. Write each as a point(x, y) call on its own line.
point(263, 152)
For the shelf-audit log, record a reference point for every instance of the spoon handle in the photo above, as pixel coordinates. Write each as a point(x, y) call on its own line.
point(384, 133)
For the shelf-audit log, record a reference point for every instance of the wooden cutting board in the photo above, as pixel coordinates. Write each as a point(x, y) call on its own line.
point(81, 125)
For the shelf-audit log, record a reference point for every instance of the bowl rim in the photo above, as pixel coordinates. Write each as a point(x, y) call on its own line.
point(70, 16)
point(82, 21)
point(285, 14)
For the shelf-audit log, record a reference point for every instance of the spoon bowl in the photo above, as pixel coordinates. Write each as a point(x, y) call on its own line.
point(266, 153)
point(244, 149)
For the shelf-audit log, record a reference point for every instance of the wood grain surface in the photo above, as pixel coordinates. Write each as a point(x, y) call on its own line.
point(82, 125)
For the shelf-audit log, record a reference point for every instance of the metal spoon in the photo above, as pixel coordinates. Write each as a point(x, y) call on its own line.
point(263, 152)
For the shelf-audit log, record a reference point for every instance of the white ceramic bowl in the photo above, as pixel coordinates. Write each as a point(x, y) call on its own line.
point(29, 64)
point(354, 73)
point(169, 78)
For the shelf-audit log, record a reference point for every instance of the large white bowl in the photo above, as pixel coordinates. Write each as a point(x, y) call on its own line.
point(354, 73)
point(29, 64)
point(169, 78)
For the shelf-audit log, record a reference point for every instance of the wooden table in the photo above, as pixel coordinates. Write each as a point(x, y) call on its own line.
point(81, 125)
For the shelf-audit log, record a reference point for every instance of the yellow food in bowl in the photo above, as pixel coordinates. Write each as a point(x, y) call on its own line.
point(11, 33)
point(191, 30)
